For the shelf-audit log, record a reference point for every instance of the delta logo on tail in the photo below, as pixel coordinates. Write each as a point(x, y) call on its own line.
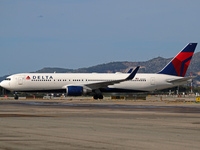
point(178, 66)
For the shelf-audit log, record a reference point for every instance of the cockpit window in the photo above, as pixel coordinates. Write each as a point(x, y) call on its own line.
point(8, 79)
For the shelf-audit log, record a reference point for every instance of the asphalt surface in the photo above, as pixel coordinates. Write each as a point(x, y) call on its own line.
point(86, 124)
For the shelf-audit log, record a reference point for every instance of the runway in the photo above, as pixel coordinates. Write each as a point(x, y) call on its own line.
point(86, 124)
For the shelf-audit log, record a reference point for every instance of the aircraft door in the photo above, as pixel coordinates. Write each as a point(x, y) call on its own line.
point(152, 80)
point(20, 80)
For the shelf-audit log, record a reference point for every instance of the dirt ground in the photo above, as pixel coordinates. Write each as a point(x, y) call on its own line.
point(87, 124)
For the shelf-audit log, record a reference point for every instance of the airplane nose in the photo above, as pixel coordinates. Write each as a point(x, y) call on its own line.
point(5, 84)
point(1, 85)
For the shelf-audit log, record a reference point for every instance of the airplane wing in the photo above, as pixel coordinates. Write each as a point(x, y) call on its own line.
point(180, 80)
point(104, 84)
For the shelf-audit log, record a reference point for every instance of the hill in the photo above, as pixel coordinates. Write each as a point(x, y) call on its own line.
point(3, 78)
point(151, 66)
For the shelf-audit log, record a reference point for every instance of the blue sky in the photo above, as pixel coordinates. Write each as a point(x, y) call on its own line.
point(81, 33)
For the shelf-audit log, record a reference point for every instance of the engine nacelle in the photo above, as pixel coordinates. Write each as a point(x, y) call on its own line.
point(74, 90)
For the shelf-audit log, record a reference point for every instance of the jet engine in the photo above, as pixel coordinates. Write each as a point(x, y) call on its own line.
point(74, 90)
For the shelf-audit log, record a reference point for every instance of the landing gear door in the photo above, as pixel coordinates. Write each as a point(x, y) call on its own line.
point(20, 80)
point(153, 81)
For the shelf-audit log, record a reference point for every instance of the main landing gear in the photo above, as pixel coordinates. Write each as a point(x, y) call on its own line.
point(98, 96)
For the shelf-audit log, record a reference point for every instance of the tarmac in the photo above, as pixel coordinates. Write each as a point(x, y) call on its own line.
point(107, 125)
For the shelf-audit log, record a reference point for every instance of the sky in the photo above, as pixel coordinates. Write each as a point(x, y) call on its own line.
point(81, 33)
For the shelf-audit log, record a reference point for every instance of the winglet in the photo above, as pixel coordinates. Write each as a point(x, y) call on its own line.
point(133, 73)
point(130, 70)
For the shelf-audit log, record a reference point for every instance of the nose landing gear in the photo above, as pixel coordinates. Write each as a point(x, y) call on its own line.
point(16, 97)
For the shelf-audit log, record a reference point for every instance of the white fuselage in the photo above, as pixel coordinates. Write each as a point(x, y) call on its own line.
point(59, 81)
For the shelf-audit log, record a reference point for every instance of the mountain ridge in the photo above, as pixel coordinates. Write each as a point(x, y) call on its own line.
point(153, 65)
point(112, 67)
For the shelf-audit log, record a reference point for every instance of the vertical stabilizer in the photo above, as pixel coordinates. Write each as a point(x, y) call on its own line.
point(179, 64)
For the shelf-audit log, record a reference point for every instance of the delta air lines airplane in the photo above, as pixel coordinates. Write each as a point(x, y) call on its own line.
point(96, 84)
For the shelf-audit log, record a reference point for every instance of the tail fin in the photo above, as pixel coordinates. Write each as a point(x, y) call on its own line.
point(179, 64)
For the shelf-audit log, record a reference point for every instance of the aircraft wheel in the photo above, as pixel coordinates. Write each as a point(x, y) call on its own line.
point(95, 96)
point(100, 96)
point(16, 97)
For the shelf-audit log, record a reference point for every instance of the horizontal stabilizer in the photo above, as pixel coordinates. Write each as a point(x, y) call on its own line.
point(180, 80)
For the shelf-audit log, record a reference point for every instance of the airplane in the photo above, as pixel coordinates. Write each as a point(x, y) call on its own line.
point(97, 84)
